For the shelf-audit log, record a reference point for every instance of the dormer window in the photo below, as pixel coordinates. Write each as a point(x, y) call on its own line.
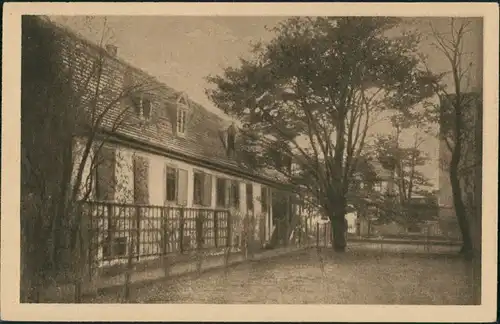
point(182, 111)
point(181, 121)
point(142, 106)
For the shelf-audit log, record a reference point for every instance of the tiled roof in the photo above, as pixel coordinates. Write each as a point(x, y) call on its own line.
point(204, 130)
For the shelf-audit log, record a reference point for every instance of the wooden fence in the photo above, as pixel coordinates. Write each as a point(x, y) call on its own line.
point(118, 232)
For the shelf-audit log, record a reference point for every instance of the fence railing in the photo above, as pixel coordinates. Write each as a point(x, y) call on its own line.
point(118, 232)
point(123, 233)
point(309, 233)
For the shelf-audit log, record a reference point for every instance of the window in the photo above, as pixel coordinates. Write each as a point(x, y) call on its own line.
point(171, 184)
point(182, 187)
point(181, 121)
point(249, 196)
point(235, 194)
point(142, 106)
point(176, 185)
point(198, 188)
point(146, 108)
point(221, 192)
point(202, 189)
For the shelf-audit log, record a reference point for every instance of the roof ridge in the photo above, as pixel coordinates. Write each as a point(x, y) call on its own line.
point(75, 34)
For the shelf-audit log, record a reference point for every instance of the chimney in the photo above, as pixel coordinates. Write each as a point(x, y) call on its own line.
point(112, 49)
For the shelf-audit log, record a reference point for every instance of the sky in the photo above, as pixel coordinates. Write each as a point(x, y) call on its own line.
point(183, 51)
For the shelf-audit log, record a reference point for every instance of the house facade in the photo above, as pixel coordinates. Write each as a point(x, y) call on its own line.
point(152, 146)
point(384, 187)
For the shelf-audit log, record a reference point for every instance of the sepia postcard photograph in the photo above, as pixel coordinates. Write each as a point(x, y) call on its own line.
point(249, 161)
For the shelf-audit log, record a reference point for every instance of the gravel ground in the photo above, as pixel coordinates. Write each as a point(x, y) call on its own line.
point(355, 277)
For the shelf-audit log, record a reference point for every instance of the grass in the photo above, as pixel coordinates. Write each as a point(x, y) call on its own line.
point(323, 278)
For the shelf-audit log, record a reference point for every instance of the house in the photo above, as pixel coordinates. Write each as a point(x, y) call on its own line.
point(382, 184)
point(382, 188)
point(154, 147)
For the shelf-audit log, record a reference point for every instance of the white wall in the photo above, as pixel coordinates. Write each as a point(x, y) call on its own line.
point(125, 186)
point(125, 181)
point(351, 222)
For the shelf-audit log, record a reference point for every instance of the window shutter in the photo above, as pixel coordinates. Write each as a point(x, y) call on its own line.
point(235, 185)
point(228, 193)
point(182, 187)
point(207, 190)
point(249, 196)
point(264, 199)
point(197, 188)
point(141, 180)
point(106, 173)
point(165, 184)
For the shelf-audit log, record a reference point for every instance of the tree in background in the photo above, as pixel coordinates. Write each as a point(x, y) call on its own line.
point(307, 99)
point(403, 163)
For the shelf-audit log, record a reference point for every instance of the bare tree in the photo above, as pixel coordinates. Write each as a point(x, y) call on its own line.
point(457, 113)
point(75, 95)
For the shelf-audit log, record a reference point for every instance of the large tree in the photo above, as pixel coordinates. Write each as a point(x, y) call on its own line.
point(459, 114)
point(308, 97)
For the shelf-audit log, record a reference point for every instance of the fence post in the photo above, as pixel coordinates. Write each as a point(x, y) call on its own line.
point(130, 257)
point(128, 272)
point(216, 230)
point(181, 230)
point(325, 229)
point(200, 218)
point(309, 231)
point(107, 210)
point(165, 235)
point(164, 230)
point(138, 230)
point(317, 235)
point(287, 231)
point(300, 233)
point(306, 233)
point(228, 230)
point(227, 250)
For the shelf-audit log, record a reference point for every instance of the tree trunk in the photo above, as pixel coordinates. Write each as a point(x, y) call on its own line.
point(339, 237)
point(460, 211)
point(337, 219)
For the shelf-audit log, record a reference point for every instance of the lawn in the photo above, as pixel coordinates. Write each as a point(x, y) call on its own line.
point(352, 278)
